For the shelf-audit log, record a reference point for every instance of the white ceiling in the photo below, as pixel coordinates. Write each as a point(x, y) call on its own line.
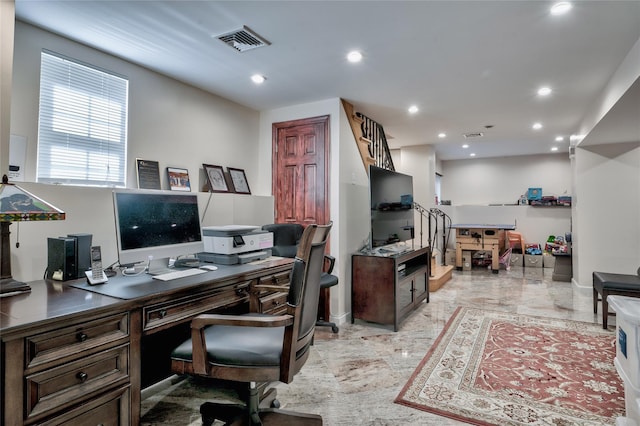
point(465, 64)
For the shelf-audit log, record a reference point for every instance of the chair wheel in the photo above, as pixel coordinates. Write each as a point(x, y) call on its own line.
point(335, 328)
point(275, 404)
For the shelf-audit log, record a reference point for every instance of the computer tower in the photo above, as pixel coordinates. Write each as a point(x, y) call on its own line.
point(83, 252)
point(61, 253)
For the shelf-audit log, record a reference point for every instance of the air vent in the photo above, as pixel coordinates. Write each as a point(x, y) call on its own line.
point(243, 39)
point(473, 135)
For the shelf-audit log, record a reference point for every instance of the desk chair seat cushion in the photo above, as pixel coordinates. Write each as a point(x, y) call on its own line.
point(328, 280)
point(239, 346)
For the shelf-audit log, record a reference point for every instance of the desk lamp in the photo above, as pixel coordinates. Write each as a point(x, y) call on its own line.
point(17, 205)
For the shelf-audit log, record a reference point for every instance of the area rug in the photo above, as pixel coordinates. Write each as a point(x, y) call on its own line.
point(497, 368)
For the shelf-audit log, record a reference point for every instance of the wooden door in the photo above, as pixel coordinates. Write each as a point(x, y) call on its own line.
point(301, 171)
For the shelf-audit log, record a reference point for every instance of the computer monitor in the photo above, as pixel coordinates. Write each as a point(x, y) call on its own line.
point(155, 226)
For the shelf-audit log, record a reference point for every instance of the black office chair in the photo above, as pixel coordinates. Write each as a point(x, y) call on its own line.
point(259, 348)
point(285, 239)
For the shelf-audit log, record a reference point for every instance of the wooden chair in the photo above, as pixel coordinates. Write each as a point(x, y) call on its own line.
point(255, 348)
point(515, 239)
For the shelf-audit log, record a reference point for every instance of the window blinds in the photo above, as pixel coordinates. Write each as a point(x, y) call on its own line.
point(82, 131)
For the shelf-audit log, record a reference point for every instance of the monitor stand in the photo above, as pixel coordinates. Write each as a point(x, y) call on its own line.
point(159, 266)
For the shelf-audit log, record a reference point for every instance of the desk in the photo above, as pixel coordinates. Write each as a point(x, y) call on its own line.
point(485, 237)
point(73, 355)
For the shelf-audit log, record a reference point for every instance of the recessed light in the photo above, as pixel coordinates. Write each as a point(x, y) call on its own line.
point(473, 154)
point(465, 146)
point(559, 138)
point(544, 91)
point(536, 126)
point(561, 8)
point(442, 135)
point(354, 56)
point(554, 148)
point(258, 79)
point(413, 109)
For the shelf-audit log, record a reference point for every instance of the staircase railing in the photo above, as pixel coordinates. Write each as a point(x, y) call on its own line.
point(378, 147)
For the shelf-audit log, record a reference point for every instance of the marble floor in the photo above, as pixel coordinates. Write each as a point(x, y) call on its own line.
point(352, 378)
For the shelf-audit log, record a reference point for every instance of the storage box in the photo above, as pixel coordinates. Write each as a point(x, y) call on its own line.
point(466, 260)
point(627, 360)
point(517, 259)
point(533, 261)
point(548, 260)
point(534, 194)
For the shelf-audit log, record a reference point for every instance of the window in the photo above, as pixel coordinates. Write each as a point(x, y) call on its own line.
point(82, 133)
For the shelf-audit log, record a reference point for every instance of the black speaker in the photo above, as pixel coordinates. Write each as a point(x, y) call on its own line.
point(83, 252)
point(61, 252)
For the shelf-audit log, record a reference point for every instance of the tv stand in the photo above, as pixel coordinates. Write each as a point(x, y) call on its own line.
point(386, 289)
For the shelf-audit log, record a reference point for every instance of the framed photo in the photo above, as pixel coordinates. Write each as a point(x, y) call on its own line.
point(239, 180)
point(178, 179)
point(215, 178)
point(148, 174)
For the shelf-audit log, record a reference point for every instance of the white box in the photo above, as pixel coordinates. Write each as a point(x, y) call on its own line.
point(548, 260)
point(628, 335)
point(466, 260)
point(516, 259)
point(532, 261)
point(627, 360)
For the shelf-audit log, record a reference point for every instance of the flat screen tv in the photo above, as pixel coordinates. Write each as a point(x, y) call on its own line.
point(154, 226)
point(391, 195)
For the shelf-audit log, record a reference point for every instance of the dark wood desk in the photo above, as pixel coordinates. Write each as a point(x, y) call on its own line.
point(74, 356)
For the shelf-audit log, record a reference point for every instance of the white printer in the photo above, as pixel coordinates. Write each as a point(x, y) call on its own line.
point(230, 244)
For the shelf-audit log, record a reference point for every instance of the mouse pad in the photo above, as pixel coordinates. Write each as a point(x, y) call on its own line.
point(132, 287)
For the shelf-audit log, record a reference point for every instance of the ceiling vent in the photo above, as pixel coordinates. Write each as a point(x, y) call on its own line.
point(473, 135)
point(243, 39)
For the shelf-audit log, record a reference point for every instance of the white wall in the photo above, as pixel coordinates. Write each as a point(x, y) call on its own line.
point(170, 122)
point(7, 13)
point(607, 210)
point(484, 181)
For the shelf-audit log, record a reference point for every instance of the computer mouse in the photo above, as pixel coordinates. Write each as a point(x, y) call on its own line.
point(208, 267)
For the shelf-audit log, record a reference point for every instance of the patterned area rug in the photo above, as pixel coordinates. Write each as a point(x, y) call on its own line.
point(495, 368)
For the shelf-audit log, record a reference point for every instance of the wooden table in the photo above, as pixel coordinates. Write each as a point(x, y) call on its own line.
point(486, 237)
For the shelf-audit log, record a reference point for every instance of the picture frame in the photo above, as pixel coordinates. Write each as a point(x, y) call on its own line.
point(178, 179)
point(239, 180)
point(148, 173)
point(215, 178)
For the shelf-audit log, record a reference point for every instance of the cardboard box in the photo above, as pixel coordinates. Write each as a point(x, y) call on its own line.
point(451, 257)
point(548, 261)
point(533, 261)
point(534, 194)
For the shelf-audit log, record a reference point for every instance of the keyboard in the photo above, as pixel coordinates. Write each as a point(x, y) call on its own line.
point(180, 273)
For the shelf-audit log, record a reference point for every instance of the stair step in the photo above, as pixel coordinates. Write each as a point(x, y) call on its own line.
point(440, 275)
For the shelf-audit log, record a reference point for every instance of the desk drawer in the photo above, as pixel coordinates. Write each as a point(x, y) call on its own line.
point(111, 409)
point(185, 308)
point(73, 382)
point(74, 340)
point(274, 303)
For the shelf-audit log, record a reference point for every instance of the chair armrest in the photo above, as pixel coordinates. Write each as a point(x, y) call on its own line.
point(198, 324)
point(331, 262)
point(205, 320)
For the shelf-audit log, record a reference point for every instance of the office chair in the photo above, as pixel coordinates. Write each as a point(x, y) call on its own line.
point(254, 348)
point(285, 240)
